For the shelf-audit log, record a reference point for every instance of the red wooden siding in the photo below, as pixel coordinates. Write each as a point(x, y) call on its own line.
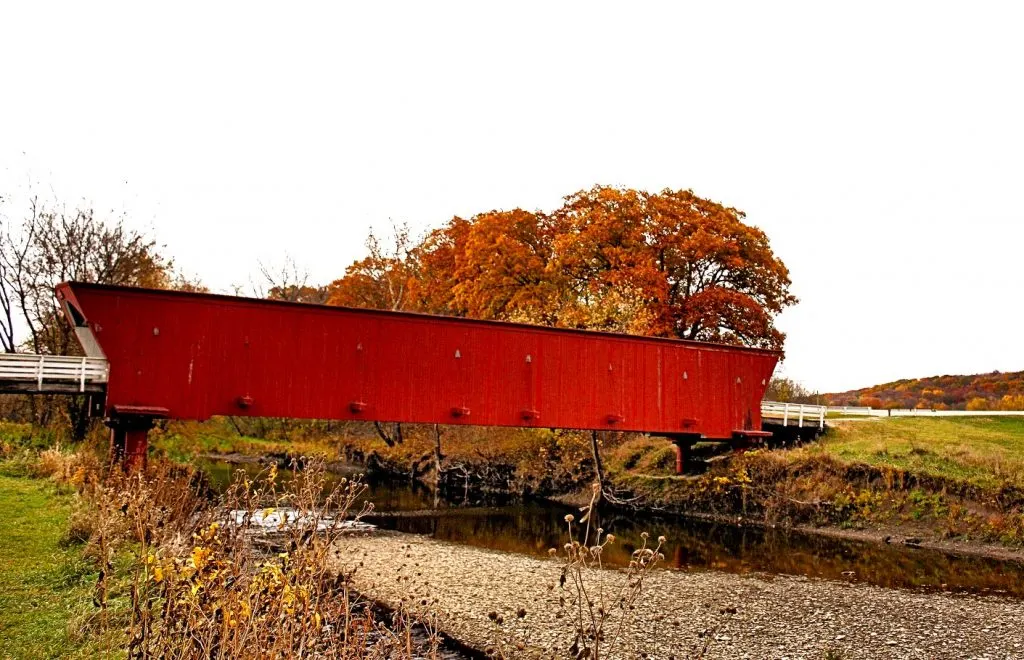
point(198, 355)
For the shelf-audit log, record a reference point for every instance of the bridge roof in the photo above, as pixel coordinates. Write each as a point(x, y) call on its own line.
point(70, 286)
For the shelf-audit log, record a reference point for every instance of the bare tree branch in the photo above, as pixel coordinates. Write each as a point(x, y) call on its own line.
point(287, 282)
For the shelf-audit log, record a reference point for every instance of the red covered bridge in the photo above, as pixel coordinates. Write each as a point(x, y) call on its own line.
point(190, 356)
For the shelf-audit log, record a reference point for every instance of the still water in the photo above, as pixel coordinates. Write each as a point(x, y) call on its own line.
point(534, 526)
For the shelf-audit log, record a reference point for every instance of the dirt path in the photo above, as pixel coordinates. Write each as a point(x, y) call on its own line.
point(744, 616)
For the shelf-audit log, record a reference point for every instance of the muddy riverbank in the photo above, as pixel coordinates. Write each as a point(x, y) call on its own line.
point(814, 494)
point(738, 616)
point(909, 537)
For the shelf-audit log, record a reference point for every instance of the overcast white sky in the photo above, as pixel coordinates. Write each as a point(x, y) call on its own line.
point(879, 145)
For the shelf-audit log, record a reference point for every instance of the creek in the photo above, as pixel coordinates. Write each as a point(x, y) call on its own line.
point(534, 526)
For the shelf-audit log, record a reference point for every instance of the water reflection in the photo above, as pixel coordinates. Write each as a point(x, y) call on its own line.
point(535, 526)
point(385, 494)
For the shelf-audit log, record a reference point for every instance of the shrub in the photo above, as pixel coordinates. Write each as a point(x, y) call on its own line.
point(223, 579)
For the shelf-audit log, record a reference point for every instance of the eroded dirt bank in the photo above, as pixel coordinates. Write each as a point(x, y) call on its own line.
point(805, 488)
point(742, 616)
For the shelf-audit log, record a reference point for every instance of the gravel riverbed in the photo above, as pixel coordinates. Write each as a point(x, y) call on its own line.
point(679, 613)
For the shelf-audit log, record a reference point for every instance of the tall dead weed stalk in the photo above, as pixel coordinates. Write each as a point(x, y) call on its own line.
point(599, 615)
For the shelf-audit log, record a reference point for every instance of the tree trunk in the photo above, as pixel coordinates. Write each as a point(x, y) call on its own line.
point(437, 455)
point(390, 440)
point(597, 459)
point(78, 414)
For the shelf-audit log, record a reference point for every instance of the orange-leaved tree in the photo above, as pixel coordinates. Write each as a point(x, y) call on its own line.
point(668, 264)
point(698, 270)
point(501, 267)
point(382, 279)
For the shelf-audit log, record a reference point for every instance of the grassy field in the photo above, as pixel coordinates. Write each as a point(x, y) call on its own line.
point(984, 451)
point(45, 585)
point(182, 440)
point(937, 478)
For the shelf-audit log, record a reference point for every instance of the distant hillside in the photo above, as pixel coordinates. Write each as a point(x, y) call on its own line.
point(994, 391)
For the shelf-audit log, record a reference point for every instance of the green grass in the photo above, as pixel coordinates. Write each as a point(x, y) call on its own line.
point(181, 442)
point(835, 414)
point(179, 447)
point(985, 451)
point(45, 586)
point(25, 435)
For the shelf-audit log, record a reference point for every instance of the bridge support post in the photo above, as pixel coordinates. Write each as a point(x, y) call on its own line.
point(129, 441)
point(129, 434)
point(683, 444)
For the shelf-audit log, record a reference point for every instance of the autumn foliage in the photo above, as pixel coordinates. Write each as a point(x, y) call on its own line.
point(992, 391)
point(669, 264)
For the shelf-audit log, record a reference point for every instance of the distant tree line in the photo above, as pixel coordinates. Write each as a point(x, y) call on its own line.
point(991, 391)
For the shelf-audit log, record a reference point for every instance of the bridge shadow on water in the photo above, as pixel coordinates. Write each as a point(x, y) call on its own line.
point(532, 527)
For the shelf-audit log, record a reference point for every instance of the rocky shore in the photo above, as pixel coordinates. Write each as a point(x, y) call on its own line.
point(680, 613)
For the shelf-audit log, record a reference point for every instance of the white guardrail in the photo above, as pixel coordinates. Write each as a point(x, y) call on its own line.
point(28, 368)
point(923, 412)
point(773, 410)
point(855, 411)
point(800, 413)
